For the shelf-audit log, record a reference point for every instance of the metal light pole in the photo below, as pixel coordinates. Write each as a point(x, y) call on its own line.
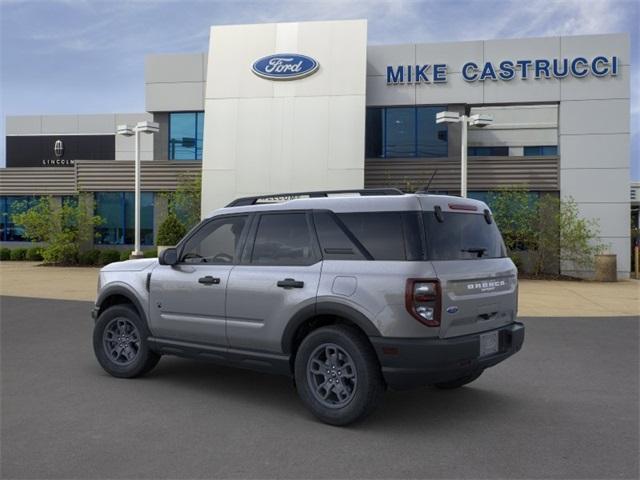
point(127, 131)
point(478, 120)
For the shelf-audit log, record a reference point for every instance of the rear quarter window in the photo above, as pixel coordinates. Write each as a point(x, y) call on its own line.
point(382, 234)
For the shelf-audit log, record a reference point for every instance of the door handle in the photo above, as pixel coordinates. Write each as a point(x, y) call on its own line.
point(290, 283)
point(209, 280)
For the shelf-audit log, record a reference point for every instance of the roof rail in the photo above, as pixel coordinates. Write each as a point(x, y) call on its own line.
point(283, 197)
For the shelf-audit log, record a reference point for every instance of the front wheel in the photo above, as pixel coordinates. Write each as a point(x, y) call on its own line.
point(337, 375)
point(120, 343)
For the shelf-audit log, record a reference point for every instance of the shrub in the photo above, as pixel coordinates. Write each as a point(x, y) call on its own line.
point(90, 257)
point(34, 254)
point(124, 255)
point(109, 256)
point(63, 228)
point(549, 228)
point(61, 253)
point(5, 254)
point(171, 231)
point(151, 254)
point(18, 254)
point(516, 258)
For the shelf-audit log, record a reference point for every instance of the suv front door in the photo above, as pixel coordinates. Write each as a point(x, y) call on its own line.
point(278, 275)
point(187, 300)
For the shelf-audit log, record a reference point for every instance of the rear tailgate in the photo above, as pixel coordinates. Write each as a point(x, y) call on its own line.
point(477, 295)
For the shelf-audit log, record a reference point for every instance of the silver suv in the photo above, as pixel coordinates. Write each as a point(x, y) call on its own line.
point(347, 292)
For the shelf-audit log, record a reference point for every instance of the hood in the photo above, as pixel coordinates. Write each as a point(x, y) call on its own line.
point(130, 265)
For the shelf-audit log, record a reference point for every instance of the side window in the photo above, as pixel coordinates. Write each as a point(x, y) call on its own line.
point(283, 239)
point(334, 241)
point(216, 242)
point(381, 233)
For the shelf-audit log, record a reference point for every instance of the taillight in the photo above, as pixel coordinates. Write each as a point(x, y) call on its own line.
point(422, 299)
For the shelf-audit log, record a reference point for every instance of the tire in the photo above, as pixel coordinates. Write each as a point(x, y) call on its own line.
point(458, 382)
point(131, 358)
point(341, 358)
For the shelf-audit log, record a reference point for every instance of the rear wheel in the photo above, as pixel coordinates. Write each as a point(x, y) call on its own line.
point(458, 382)
point(337, 375)
point(120, 343)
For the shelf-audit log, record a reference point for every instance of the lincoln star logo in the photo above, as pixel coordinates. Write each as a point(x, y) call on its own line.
point(486, 286)
point(285, 66)
point(58, 148)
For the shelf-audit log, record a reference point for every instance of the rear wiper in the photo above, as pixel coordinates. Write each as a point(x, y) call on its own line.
point(479, 250)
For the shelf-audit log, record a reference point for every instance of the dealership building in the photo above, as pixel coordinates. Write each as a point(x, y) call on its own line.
point(304, 106)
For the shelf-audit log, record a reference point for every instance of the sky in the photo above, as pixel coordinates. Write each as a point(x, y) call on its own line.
point(87, 56)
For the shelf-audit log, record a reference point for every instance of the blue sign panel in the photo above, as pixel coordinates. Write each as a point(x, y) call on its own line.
point(506, 70)
point(285, 66)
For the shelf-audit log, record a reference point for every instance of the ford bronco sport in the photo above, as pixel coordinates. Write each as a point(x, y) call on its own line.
point(347, 293)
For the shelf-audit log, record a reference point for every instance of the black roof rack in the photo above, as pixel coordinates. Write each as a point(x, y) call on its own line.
point(283, 197)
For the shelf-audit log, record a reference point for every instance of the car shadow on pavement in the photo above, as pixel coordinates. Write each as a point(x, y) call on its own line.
point(410, 410)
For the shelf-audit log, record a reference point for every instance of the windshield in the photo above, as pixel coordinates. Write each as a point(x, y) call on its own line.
point(462, 236)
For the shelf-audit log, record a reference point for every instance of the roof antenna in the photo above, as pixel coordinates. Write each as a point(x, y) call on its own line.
point(425, 189)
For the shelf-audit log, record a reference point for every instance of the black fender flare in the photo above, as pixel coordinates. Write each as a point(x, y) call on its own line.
point(121, 290)
point(326, 308)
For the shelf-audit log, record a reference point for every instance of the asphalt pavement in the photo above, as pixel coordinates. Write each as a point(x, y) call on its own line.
point(566, 406)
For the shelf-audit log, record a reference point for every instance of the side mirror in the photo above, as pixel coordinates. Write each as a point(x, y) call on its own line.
point(169, 256)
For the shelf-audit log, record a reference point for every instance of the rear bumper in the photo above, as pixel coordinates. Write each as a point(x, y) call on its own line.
point(408, 362)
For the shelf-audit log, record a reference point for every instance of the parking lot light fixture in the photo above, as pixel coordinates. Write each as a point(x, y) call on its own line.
point(127, 131)
point(477, 120)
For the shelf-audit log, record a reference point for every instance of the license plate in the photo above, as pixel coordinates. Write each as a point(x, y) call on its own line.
point(488, 344)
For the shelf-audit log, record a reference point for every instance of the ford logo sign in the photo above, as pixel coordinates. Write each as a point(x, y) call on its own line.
point(285, 66)
point(452, 309)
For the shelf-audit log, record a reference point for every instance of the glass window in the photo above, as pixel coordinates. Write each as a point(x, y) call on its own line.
point(283, 239)
point(374, 133)
point(432, 136)
point(381, 233)
point(394, 132)
point(462, 236)
point(488, 151)
point(334, 240)
point(400, 129)
point(185, 135)
point(541, 151)
point(117, 212)
point(109, 207)
point(9, 206)
point(146, 218)
point(216, 242)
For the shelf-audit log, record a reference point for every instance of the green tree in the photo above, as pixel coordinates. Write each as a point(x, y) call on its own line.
point(549, 229)
point(171, 231)
point(579, 243)
point(184, 203)
point(63, 228)
point(514, 215)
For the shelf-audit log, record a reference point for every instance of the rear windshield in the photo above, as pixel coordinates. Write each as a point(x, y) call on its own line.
point(462, 236)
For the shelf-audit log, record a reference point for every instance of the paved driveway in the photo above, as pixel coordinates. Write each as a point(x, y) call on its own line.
point(566, 406)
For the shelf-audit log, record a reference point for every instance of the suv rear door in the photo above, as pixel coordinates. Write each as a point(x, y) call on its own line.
point(278, 275)
point(478, 281)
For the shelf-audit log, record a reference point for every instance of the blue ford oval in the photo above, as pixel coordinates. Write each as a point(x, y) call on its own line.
point(285, 66)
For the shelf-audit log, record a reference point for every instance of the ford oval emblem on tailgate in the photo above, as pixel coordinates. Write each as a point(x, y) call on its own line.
point(452, 309)
point(284, 66)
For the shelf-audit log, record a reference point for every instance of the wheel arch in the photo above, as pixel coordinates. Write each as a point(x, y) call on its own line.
point(321, 314)
point(118, 295)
